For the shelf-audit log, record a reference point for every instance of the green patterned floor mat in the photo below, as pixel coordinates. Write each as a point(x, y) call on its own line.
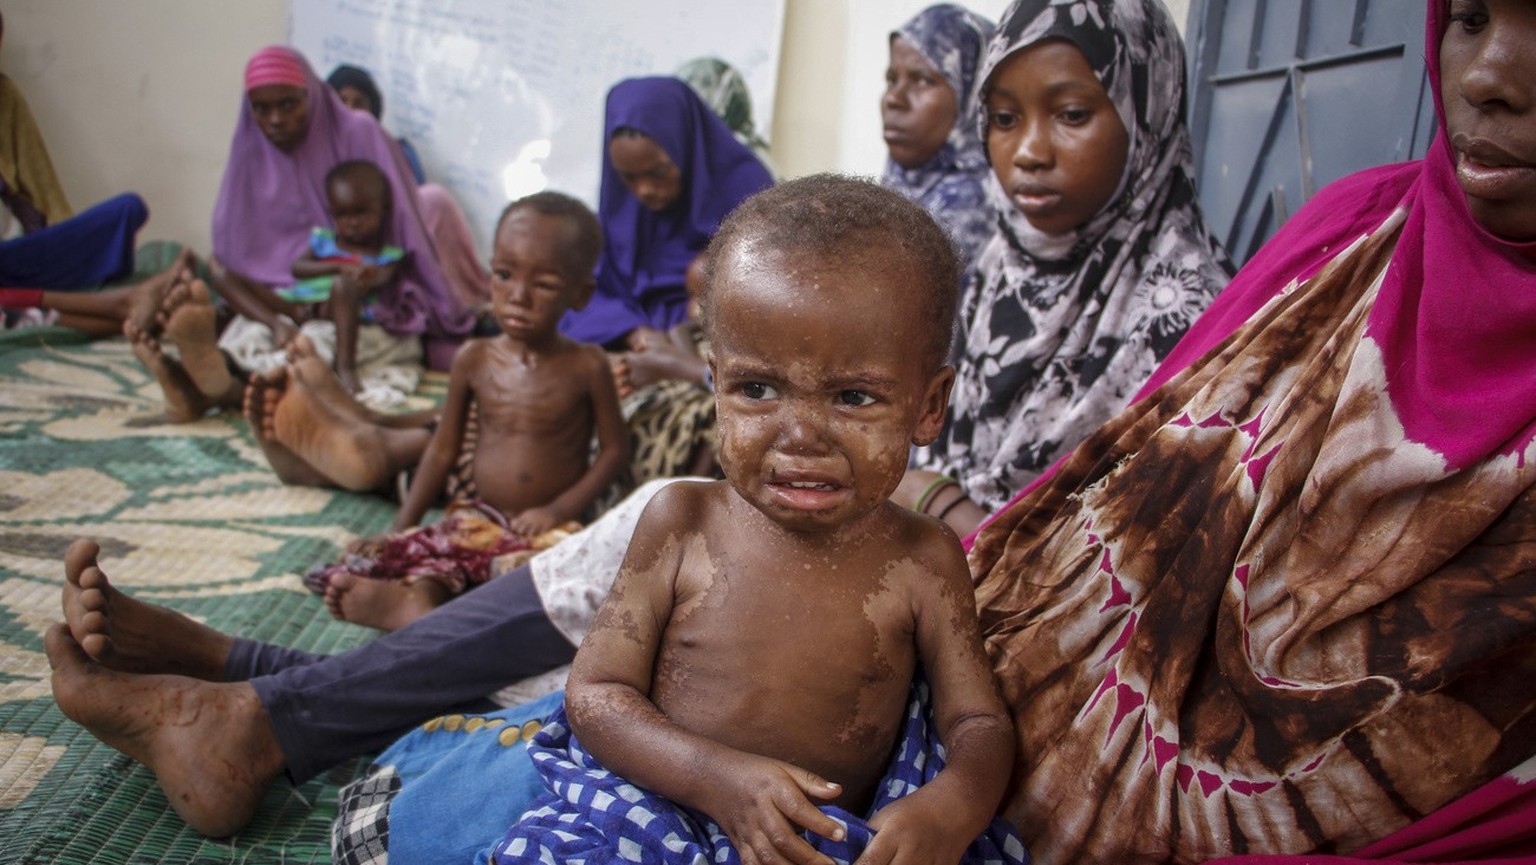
point(188, 515)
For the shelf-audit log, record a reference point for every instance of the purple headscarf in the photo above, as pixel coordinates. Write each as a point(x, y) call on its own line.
point(640, 279)
point(269, 200)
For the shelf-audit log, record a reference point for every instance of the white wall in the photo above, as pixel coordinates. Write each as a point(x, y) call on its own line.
point(143, 95)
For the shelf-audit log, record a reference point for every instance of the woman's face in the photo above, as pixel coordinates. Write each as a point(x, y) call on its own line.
point(282, 113)
point(1488, 88)
point(354, 99)
point(645, 170)
point(1054, 138)
point(918, 108)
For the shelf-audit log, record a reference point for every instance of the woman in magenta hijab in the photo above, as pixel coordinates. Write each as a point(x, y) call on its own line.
point(291, 130)
point(672, 170)
point(1285, 603)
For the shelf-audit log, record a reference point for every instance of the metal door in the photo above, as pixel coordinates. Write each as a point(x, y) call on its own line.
point(1289, 95)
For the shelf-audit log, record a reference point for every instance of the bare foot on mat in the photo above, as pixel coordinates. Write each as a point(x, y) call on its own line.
point(130, 635)
point(262, 394)
point(184, 401)
point(388, 605)
point(209, 744)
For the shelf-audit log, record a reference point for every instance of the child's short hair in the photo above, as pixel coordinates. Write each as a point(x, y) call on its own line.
point(824, 214)
point(361, 172)
point(589, 232)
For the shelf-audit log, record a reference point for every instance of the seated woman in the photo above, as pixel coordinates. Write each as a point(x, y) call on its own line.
point(672, 171)
point(291, 131)
point(444, 219)
point(936, 156)
point(50, 273)
point(1103, 259)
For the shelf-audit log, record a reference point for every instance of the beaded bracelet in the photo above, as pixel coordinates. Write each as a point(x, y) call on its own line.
point(926, 497)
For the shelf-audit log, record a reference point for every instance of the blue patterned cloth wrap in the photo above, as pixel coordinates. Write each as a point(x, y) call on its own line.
point(322, 244)
point(591, 815)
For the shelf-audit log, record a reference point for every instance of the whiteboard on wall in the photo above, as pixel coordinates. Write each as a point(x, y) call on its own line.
point(502, 97)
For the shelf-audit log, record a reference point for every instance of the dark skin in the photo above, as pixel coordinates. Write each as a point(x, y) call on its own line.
point(1489, 95)
point(918, 108)
point(754, 615)
point(539, 398)
point(281, 112)
point(360, 210)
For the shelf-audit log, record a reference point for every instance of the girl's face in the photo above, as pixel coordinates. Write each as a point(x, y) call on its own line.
point(918, 107)
point(645, 170)
point(282, 113)
point(1054, 138)
point(1489, 94)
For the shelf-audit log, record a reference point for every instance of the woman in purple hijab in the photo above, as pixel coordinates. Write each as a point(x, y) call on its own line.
point(273, 194)
point(672, 171)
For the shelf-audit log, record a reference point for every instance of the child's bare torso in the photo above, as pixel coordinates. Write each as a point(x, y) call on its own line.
point(535, 423)
point(800, 652)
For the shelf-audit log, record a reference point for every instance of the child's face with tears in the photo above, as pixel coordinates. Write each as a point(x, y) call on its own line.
point(823, 378)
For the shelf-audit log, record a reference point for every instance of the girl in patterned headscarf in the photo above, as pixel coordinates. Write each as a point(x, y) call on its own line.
point(1103, 259)
point(930, 85)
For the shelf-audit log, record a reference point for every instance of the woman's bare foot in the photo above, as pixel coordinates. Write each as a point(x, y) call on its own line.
point(184, 401)
point(146, 298)
point(262, 394)
point(192, 326)
point(209, 744)
point(388, 605)
point(129, 635)
point(336, 444)
point(661, 360)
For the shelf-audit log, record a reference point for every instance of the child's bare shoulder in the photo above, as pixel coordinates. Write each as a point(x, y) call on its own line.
point(683, 505)
point(929, 542)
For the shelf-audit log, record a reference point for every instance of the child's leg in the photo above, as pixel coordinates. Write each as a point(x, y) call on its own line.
point(344, 309)
point(329, 388)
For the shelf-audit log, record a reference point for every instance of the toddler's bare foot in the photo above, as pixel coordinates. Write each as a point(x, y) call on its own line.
point(193, 327)
point(388, 605)
point(130, 635)
point(146, 298)
point(346, 450)
point(209, 744)
point(184, 401)
point(262, 394)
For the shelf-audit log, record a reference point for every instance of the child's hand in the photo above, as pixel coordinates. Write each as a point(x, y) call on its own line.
point(761, 805)
point(534, 522)
point(913, 829)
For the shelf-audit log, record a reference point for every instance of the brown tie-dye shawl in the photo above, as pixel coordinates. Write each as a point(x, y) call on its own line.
point(1249, 615)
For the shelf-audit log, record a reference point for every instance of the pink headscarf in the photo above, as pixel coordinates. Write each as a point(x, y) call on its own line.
point(1456, 314)
point(274, 64)
point(270, 199)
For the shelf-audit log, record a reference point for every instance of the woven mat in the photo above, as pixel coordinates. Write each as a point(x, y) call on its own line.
point(187, 515)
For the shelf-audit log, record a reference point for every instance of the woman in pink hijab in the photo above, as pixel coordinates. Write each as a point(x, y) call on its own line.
point(1285, 603)
point(291, 130)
